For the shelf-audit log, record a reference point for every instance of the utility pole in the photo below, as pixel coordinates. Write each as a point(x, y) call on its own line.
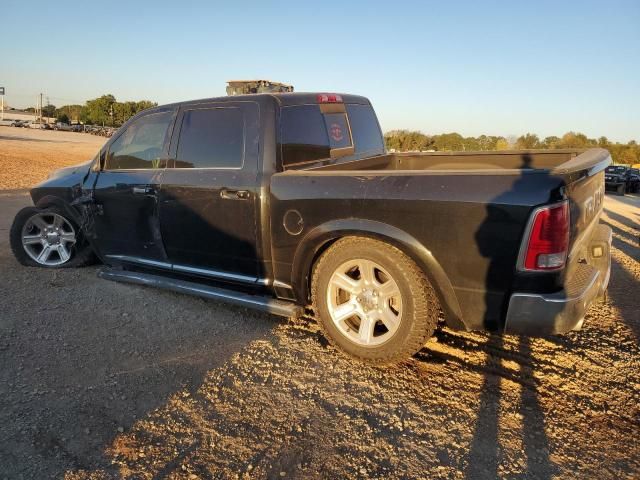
point(41, 108)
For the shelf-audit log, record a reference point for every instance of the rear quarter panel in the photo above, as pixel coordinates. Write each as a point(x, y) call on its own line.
point(472, 224)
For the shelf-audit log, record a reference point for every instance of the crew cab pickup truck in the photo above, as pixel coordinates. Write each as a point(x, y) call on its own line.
point(289, 201)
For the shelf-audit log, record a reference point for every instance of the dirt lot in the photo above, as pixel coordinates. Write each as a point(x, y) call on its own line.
point(28, 155)
point(101, 380)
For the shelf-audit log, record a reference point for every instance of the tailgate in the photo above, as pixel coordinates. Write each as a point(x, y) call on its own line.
point(584, 179)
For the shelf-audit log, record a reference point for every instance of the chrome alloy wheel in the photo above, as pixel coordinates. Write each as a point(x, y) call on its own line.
point(364, 302)
point(47, 238)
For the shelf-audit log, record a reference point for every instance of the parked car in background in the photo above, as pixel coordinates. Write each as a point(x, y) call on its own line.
point(622, 179)
point(37, 125)
point(283, 201)
point(19, 123)
point(633, 182)
point(62, 126)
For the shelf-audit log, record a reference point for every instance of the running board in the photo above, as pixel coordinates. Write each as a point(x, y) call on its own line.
point(257, 302)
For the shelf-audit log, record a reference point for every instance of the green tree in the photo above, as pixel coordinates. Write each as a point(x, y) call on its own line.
point(502, 144)
point(629, 156)
point(74, 112)
point(574, 140)
point(49, 111)
point(551, 142)
point(405, 140)
point(528, 141)
point(99, 109)
point(449, 142)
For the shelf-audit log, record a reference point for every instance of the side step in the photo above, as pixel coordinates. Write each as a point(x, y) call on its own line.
point(257, 302)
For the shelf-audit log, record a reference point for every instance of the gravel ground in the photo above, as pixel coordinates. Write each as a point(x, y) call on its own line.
point(103, 380)
point(28, 155)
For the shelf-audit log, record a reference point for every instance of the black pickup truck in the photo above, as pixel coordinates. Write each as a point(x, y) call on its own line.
point(622, 179)
point(286, 201)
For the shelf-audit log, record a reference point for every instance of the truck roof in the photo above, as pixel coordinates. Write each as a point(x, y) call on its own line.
point(283, 99)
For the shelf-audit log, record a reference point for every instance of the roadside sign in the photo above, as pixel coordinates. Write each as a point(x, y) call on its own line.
point(1, 90)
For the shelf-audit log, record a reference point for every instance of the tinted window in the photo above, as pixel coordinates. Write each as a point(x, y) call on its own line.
point(338, 130)
point(141, 145)
point(303, 134)
point(211, 138)
point(365, 129)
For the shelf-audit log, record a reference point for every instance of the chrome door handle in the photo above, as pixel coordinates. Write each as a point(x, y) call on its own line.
point(142, 190)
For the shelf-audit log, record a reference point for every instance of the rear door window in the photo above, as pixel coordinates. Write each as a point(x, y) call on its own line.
point(303, 135)
point(211, 138)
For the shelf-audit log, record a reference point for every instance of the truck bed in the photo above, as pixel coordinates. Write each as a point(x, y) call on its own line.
point(467, 162)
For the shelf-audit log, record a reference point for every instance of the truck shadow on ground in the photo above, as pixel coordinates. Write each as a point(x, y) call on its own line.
point(484, 455)
point(627, 243)
point(485, 449)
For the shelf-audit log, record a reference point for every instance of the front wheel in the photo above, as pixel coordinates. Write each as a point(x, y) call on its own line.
point(620, 190)
point(48, 238)
point(373, 302)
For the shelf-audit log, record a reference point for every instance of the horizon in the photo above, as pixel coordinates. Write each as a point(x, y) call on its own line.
point(491, 69)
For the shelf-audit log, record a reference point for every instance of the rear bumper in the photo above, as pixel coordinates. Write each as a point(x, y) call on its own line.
point(545, 314)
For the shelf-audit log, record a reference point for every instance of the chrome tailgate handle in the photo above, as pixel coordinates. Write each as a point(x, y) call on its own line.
point(234, 194)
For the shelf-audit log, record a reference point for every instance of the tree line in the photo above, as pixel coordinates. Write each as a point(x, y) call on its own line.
point(104, 110)
point(406, 140)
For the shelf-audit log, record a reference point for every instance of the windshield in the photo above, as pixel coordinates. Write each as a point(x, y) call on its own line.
point(616, 169)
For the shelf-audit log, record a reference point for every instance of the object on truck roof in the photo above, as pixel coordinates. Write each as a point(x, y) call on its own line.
point(243, 87)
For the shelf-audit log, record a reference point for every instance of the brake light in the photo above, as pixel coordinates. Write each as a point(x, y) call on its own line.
point(329, 98)
point(548, 241)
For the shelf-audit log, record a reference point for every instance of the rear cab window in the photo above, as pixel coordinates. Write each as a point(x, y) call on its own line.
point(328, 132)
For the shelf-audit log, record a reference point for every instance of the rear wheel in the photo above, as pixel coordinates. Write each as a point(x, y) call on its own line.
point(48, 238)
point(373, 302)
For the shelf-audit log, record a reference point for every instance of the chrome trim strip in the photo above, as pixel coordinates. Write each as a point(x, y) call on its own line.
point(142, 261)
point(215, 273)
point(186, 269)
point(279, 284)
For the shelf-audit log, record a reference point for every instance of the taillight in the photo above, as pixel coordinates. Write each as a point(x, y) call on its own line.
point(329, 98)
point(548, 242)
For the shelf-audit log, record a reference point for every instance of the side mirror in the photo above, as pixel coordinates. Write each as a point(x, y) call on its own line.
point(98, 166)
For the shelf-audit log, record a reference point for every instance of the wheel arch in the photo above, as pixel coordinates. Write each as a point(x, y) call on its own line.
point(54, 201)
point(316, 241)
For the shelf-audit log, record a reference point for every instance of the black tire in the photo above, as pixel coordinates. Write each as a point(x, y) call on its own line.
point(419, 303)
point(620, 190)
point(81, 252)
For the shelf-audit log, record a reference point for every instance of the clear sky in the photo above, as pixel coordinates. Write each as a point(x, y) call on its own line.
point(501, 68)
